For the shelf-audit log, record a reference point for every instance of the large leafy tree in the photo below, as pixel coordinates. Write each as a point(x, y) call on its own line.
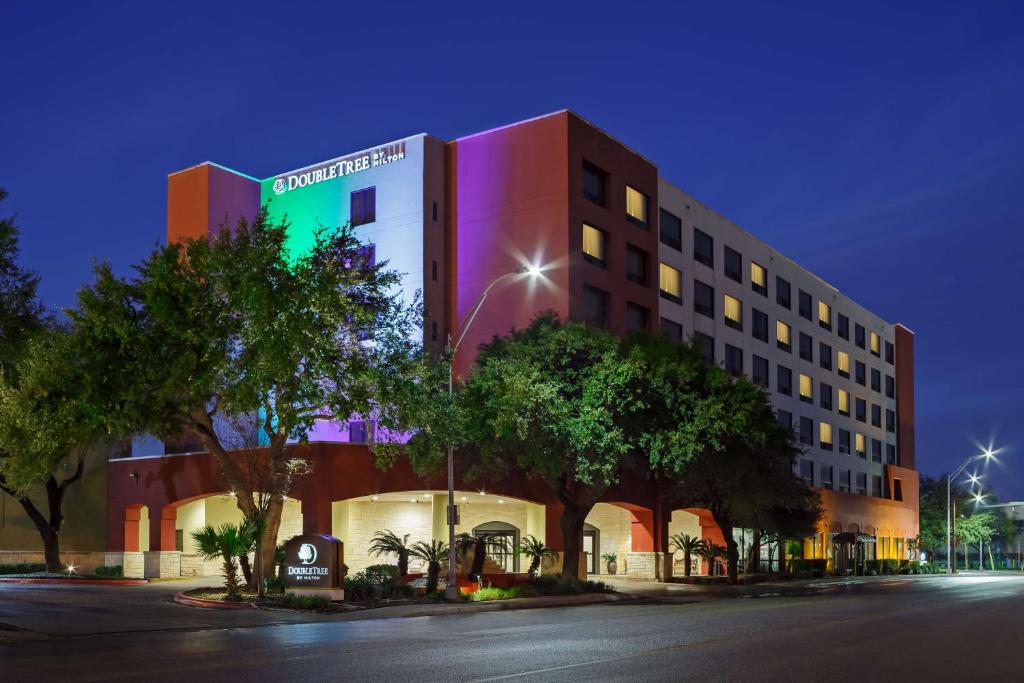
point(21, 312)
point(238, 324)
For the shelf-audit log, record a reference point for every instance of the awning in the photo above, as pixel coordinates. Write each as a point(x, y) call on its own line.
point(850, 537)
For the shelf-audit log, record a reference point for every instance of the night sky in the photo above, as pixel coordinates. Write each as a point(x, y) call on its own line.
point(880, 148)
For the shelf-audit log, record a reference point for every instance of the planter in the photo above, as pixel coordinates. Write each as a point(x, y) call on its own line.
point(612, 567)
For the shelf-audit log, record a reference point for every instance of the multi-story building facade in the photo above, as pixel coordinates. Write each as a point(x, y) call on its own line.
point(618, 247)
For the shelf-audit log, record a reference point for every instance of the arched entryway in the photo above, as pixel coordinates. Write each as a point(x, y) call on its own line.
point(504, 538)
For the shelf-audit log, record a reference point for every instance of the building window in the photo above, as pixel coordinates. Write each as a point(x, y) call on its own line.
point(804, 304)
point(825, 355)
point(826, 477)
point(862, 484)
point(876, 450)
point(825, 315)
point(890, 386)
point(733, 360)
point(889, 353)
point(706, 344)
point(844, 480)
point(782, 292)
point(806, 347)
point(876, 344)
point(636, 265)
point(759, 323)
point(844, 327)
point(733, 312)
point(594, 180)
point(784, 418)
point(636, 317)
point(807, 471)
point(759, 371)
point(861, 410)
point(825, 395)
point(363, 206)
point(858, 335)
point(876, 380)
point(860, 445)
point(593, 245)
point(670, 283)
point(636, 206)
point(782, 336)
point(844, 402)
point(703, 248)
point(843, 364)
point(783, 380)
point(876, 485)
point(733, 264)
point(703, 299)
point(807, 431)
point(595, 306)
point(876, 415)
point(671, 229)
point(844, 441)
point(890, 454)
point(860, 372)
point(806, 388)
point(672, 330)
point(890, 421)
point(825, 435)
point(758, 278)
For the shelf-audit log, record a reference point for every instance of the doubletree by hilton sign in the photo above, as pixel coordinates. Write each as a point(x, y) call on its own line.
point(313, 561)
point(339, 168)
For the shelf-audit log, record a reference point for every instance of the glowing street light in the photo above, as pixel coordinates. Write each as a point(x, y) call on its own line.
point(451, 591)
point(987, 455)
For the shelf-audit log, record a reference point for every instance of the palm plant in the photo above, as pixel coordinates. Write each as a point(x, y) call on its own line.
point(389, 543)
point(432, 553)
point(480, 545)
point(718, 552)
point(706, 551)
point(534, 548)
point(226, 543)
point(688, 545)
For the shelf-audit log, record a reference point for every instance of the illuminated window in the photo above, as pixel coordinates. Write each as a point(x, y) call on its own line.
point(636, 205)
point(363, 206)
point(806, 388)
point(593, 244)
point(670, 282)
point(843, 363)
point(758, 278)
point(825, 435)
point(782, 334)
point(844, 402)
point(825, 315)
point(876, 344)
point(860, 445)
point(733, 312)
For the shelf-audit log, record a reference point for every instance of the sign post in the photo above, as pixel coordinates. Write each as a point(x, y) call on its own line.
point(313, 565)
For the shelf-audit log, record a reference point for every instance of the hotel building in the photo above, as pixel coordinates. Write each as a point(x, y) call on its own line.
point(622, 248)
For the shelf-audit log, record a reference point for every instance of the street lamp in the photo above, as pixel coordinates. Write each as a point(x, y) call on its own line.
point(987, 455)
point(451, 591)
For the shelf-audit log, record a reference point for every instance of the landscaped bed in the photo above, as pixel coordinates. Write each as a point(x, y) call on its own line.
point(32, 572)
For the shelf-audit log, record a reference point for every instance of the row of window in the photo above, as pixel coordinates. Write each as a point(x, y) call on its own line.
point(849, 482)
point(595, 183)
point(703, 252)
point(596, 306)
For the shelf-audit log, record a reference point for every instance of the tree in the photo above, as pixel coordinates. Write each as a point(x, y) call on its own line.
point(688, 546)
point(21, 312)
point(389, 543)
point(975, 529)
point(433, 554)
point(707, 552)
point(746, 478)
point(225, 543)
point(237, 324)
point(534, 548)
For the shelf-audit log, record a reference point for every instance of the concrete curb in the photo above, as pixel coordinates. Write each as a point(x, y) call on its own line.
point(502, 605)
point(188, 601)
point(81, 582)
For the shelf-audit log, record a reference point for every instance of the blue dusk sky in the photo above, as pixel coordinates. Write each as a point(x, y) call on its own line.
point(880, 146)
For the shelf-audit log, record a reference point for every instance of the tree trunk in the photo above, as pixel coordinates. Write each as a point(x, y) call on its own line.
point(686, 563)
point(243, 561)
point(49, 529)
point(754, 557)
point(991, 560)
point(732, 553)
point(268, 541)
point(577, 501)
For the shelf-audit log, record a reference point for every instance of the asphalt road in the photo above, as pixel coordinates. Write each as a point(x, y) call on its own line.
point(907, 629)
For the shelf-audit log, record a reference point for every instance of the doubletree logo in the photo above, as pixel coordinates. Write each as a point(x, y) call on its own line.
point(307, 553)
point(280, 186)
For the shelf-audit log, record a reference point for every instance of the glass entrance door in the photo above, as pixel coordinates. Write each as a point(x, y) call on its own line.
point(591, 551)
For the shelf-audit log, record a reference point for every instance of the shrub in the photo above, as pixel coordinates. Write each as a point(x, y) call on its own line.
point(358, 587)
point(488, 594)
point(115, 571)
point(808, 569)
point(555, 584)
point(22, 568)
point(381, 573)
point(310, 602)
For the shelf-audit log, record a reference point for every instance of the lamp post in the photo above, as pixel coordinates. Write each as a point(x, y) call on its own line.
point(451, 591)
point(987, 455)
